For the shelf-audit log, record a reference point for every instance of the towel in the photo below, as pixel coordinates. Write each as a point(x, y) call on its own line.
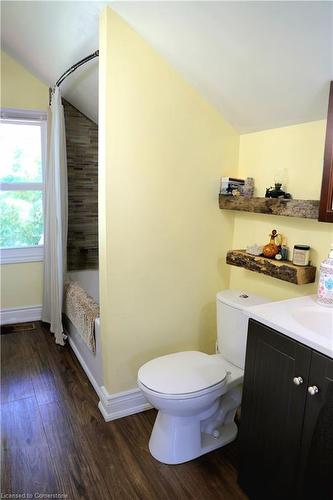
point(82, 310)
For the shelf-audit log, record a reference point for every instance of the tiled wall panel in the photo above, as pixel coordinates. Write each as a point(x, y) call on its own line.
point(82, 164)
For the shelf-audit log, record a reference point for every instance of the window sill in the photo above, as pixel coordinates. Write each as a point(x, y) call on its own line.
point(24, 254)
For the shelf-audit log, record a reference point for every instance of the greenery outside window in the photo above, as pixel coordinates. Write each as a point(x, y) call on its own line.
point(22, 158)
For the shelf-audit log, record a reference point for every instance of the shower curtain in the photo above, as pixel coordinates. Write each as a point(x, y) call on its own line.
point(55, 219)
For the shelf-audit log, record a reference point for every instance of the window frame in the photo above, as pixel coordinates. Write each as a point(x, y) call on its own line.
point(35, 253)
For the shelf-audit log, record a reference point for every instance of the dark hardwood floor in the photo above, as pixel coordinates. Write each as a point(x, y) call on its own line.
point(56, 442)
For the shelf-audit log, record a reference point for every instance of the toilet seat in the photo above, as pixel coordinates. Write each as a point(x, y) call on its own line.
point(181, 397)
point(182, 375)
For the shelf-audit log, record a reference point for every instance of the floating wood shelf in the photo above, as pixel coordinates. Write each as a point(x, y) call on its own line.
point(282, 270)
point(308, 209)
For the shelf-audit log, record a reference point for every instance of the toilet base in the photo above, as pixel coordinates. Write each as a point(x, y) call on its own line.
point(178, 438)
point(168, 449)
point(228, 433)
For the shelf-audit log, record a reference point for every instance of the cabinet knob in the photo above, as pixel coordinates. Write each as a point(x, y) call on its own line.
point(298, 380)
point(313, 390)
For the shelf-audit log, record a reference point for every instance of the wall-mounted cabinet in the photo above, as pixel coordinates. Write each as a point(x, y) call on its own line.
point(326, 197)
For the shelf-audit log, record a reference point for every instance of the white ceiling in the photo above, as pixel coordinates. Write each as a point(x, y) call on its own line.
point(261, 64)
point(49, 37)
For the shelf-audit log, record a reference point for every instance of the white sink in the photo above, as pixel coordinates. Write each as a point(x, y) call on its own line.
point(302, 319)
point(317, 320)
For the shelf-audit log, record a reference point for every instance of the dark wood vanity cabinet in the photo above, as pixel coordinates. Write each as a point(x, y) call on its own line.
point(286, 429)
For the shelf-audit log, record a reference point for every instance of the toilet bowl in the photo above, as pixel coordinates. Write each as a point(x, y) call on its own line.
point(197, 394)
point(190, 422)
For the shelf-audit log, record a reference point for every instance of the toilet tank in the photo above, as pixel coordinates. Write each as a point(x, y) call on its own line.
point(232, 323)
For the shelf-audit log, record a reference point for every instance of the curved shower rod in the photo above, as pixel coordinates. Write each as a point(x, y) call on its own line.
point(71, 70)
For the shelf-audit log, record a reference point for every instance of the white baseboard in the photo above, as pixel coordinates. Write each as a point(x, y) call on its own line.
point(122, 404)
point(12, 315)
point(113, 406)
point(85, 367)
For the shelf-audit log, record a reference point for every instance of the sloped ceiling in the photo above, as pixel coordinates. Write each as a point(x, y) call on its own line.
point(261, 64)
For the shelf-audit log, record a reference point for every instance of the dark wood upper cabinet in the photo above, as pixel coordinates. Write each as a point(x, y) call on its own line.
point(326, 196)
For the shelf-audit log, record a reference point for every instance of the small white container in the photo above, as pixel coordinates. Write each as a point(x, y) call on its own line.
point(301, 255)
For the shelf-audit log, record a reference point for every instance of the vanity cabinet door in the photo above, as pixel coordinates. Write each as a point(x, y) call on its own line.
point(272, 413)
point(316, 460)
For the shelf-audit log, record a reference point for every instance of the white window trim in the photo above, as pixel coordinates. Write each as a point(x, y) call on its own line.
point(34, 253)
point(23, 114)
point(22, 254)
point(21, 186)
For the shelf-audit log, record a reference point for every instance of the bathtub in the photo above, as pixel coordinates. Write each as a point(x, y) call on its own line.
point(92, 363)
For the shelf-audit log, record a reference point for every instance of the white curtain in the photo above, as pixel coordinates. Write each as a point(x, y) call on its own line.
point(55, 219)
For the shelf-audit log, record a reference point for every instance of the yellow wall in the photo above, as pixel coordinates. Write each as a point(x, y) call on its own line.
point(162, 237)
point(19, 88)
point(21, 284)
point(299, 149)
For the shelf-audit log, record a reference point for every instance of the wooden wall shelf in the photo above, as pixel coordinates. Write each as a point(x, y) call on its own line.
point(282, 270)
point(308, 209)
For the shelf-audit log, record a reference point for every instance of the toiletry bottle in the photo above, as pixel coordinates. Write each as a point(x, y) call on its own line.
point(325, 286)
point(284, 249)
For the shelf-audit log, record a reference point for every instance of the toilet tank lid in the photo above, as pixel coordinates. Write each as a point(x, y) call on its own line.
point(239, 299)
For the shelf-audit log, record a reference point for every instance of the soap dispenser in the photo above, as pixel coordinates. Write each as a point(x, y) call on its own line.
point(325, 287)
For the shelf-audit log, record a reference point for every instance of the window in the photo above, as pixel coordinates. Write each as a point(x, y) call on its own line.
point(23, 149)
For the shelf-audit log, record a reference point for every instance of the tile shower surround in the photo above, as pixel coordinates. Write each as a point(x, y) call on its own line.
point(82, 165)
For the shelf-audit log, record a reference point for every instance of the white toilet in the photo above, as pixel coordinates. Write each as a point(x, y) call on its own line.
point(197, 394)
